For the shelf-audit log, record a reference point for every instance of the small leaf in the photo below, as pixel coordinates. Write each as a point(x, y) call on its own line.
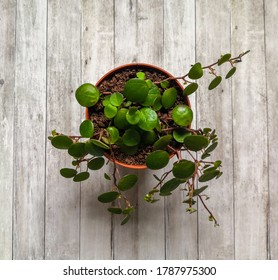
point(128, 210)
point(107, 177)
point(61, 142)
point(211, 147)
point(127, 182)
point(120, 120)
point(149, 83)
point(99, 144)
point(209, 169)
point(205, 155)
point(53, 132)
point(157, 160)
point(158, 179)
point(82, 176)
point(115, 210)
point(215, 82)
point(113, 134)
point(183, 169)
point(149, 137)
point(164, 84)
point(92, 149)
point(140, 75)
point(148, 119)
point(190, 89)
point(108, 197)
point(179, 134)
point(231, 73)
point(110, 111)
point(219, 175)
point(136, 90)
point(87, 95)
point(157, 104)
point(106, 100)
point(96, 163)
point(195, 142)
point(125, 220)
point(77, 150)
point(196, 71)
point(209, 176)
point(131, 138)
point(224, 58)
point(162, 142)
point(68, 172)
point(217, 163)
point(116, 99)
point(86, 129)
point(170, 186)
point(198, 191)
point(133, 116)
point(169, 97)
point(182, 115)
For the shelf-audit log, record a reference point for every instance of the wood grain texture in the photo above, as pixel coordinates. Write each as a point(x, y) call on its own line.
point(98, 58)
point(29, 130)
point(64, 114)
point(214, 110)
point(271, 35)
point(250, 118)
point(7, 82)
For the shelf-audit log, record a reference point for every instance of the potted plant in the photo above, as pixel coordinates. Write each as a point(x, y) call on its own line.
point(139, 116)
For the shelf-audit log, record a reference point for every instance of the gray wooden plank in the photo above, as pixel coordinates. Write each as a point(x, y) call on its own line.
point(250, 118)
point(63, 114)
point(271, 35)
point(179, 54)
point(98, 58)
point(29, 130)
point(7, 82)
point(214, 110)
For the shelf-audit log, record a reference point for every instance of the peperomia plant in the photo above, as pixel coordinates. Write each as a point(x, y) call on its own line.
point(149, 119)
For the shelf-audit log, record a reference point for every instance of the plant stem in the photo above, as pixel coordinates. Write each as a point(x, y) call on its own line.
point(211, 215)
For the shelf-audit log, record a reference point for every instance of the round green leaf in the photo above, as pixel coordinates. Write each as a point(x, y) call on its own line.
point(140, 75)
point(209, 176)
point(127, 182)
point(231, 73)
point(61, 142)
point(108, 197)
point(179, 134)
point(182, 115)
point(224, 58)
point(195, 142)
point(106, 100)
point(215, 82)
point(120, 120)
point(115, 210)
point(116, 99)
point(157, 160)
point(183, 169)
point(211, 148)
point(82, 176)
point(164, 84)
point(149, 101)
point(162, 142)
point(100, 144)
point(68, 172)
point(199, 191)
point(86, 129)
point(110, 111)
point(131, 138)
point(169, 97)
point(96, 163)
point(87, 95)
point(148, 120)
point(190, 89)
point(149, 137)
point(125, 220)
point(113, 134)
point(93, 149)
point(196, 71)
point(136, 90)
point(170, 186)
point(77, 150)
point(133, 116)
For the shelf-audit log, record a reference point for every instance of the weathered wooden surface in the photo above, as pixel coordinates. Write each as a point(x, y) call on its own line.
point(48, 48)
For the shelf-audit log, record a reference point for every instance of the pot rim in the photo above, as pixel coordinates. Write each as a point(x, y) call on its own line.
point(118, 68)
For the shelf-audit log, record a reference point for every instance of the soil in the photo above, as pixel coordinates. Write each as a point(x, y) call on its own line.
point(115, 83)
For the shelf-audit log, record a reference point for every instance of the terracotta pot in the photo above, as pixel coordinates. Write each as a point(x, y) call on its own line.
point(141, 66)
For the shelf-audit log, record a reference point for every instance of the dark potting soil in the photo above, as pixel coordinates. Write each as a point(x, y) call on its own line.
point(115, 83)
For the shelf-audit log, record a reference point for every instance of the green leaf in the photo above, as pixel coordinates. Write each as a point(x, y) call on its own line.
point(92, 149)
point(184, 169)
point(169, 97)
point(133, 116)
point(211, 147)
point(68, 172)
point(86, 129)
point(157, 104)
point(196, 71)
point(115, 210)
point(120, 120)
point(107, 177)
point(82, 176)
point(198, 191)
point(87, 95)
point(141, 75)
point(149, 137)
point(77, 150)
point(136, 90)
point(205, 155)
point(131, 138)
point(195, 142)
point(96, 163)
point(209, 169)
point(209, 176)
point(182, 115)
point(190, 89)
point(116, 99)
point(110, 111)
point(61, 142)
point(125, 220)
point(128, 210)
point(148, 119)
point(108, 197)
point(217, 163)
point(113, 134)
point(157, 160)
point(99, 144)
point(215, 82)
point(169, 186)
point(127, 182)
point(106, 100)
point(164, 84)
point(231, 73)
point(149, 83)
point(179, 134)
point(224, 58)
point(162, 142)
